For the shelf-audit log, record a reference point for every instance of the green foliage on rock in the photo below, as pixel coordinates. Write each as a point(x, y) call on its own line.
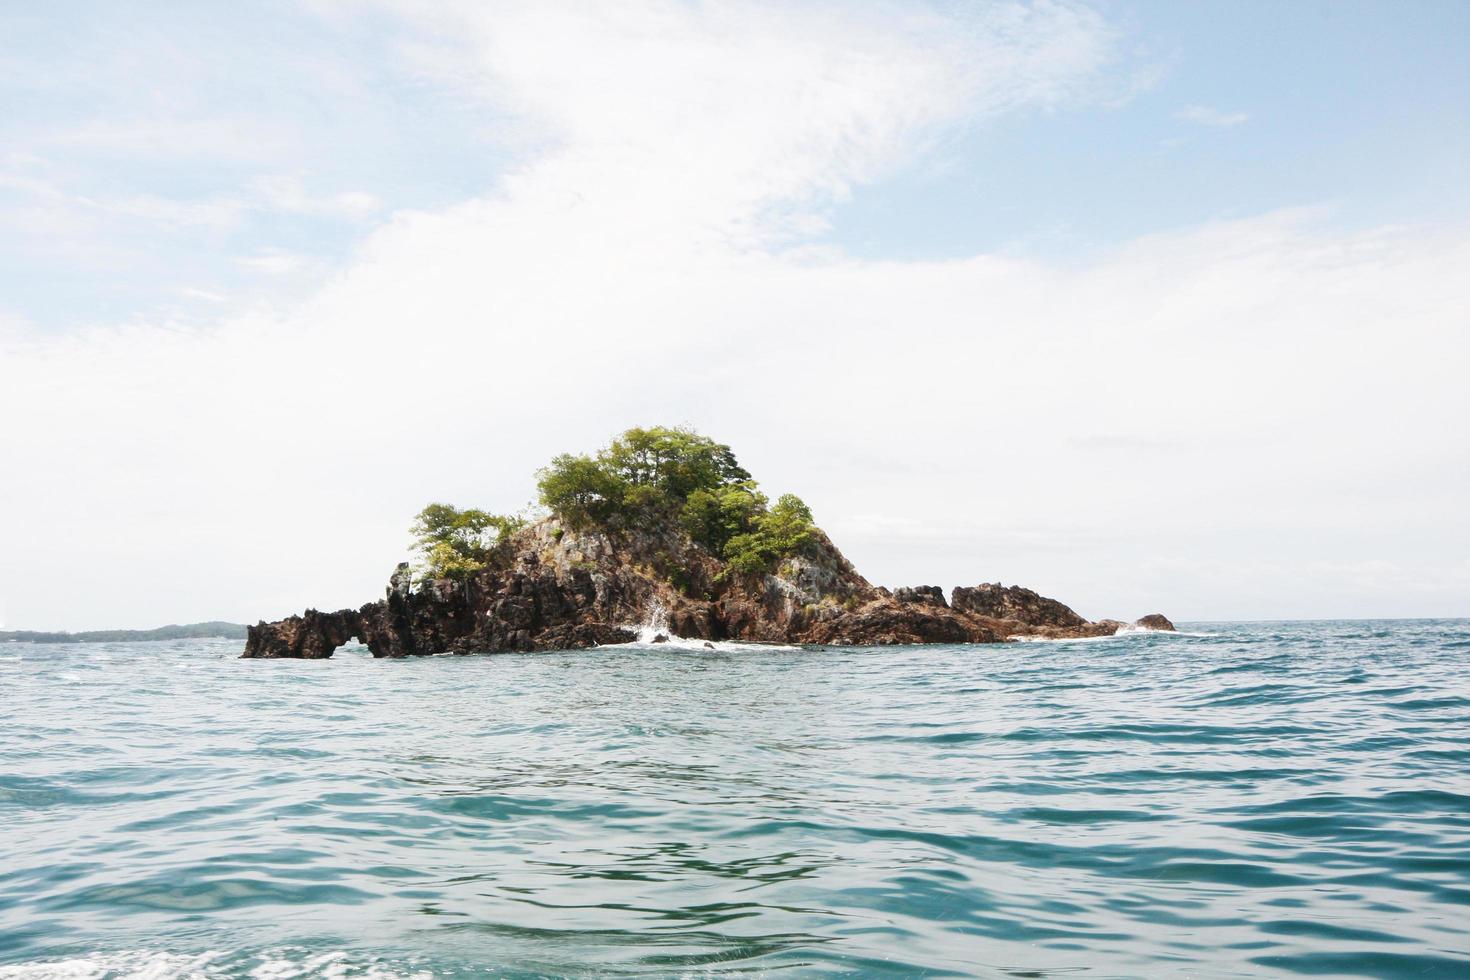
point(675, 462)
point(642, 479)
point(456, 543)
point(713, 517)
point(647, 479)
point(781, 532)
point(581, 491)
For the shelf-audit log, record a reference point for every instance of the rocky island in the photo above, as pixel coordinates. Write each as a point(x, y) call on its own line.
point(662, 522)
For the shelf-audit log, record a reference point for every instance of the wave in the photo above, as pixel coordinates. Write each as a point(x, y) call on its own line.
point(1123, 633)
point(152, 964)
point(1157, 806)
point(654, 632)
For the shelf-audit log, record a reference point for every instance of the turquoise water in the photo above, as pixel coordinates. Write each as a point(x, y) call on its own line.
point(1253, 799)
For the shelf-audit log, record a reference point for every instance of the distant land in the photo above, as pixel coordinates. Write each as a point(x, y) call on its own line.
point(193, 631)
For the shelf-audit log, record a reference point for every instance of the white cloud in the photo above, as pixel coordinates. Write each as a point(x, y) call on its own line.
point(146, 150)
point(203, 294)
point(1203, 115)
point(740, 118)
point(275, 262)
point(14, 329)
point(231, 138)
point(47, 215)
point(217, 213)
point(1270, 394)
point(277, 193)
point(288, 194)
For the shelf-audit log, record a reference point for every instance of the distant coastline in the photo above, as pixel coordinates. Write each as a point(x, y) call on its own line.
point(191, 631)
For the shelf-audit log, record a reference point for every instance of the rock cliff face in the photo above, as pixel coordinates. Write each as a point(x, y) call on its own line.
point(568, 589)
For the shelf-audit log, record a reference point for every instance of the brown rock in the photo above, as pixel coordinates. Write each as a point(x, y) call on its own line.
point(929, 595)
point(568, 589)
point(1015, 603)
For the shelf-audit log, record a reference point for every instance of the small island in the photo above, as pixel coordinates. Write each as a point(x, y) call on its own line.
point(661, 523)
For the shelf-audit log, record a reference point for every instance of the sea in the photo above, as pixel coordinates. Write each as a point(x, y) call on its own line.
point(1235, 799)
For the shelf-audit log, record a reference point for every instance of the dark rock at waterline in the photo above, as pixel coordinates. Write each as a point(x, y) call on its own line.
point(1156, 621)
point(889, 621)
point(564, 588)
point(501, 612)
point(311, 636)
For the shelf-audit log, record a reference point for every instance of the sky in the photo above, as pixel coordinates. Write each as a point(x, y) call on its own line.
point(1148, 306)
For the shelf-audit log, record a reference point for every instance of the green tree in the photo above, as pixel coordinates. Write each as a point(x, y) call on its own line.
point(581, 490)
point(455, 543)
point(674, 461)
point(784, 531)
point(644, 477)
point(712, 518)
point(657, 476)
point(442, 560)
point(788, 526)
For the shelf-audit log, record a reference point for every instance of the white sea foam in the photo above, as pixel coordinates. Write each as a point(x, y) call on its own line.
point(152, 964)
point(1136, 629)
point(654, 630)
point(1123, 633)
point(141, 964)
point(1139, 630)
point(330, 965)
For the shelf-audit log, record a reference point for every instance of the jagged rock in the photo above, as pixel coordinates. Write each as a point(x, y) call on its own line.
point(562, 588)
point(311, 636)
point(931, 595)
point(401, 582)
point(1156, 621)
point(887, 620)
point(1015, 603)
point(694, 621)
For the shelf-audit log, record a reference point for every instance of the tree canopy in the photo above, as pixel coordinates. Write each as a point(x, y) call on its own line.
point(644, 480)
point(648, 478)
point(454, 543)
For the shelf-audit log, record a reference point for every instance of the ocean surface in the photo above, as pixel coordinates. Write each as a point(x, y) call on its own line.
point(1265, 799)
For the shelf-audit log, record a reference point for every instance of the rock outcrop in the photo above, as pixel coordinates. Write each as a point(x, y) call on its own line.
point(568, 589)
point(1016, 603)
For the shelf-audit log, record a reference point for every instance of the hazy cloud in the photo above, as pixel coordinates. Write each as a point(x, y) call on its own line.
point(1203, 115)
point(275, 262)
point(287, 193)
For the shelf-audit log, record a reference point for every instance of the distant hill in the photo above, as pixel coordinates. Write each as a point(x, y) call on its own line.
point(193, 631)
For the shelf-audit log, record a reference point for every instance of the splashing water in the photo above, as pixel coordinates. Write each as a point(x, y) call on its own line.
point(654, 631)
point(655, 624)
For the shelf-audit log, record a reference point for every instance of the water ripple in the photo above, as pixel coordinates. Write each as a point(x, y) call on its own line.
point(1245, 799)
